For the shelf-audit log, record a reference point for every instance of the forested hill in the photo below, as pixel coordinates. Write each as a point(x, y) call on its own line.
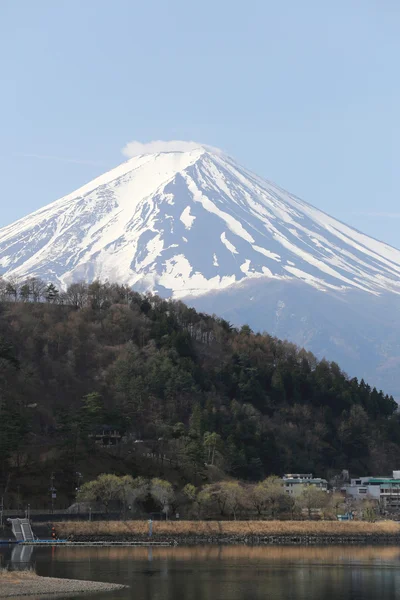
point(188, 385)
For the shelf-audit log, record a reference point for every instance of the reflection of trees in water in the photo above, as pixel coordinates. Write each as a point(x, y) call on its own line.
point(351, 555)
point(278, 582)
point(237, 572)
point(320, 583)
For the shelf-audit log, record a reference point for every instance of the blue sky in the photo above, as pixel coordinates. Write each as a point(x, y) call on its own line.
point(306, 93)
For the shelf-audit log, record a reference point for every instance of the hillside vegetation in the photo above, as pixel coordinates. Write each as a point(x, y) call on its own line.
point(184, 389)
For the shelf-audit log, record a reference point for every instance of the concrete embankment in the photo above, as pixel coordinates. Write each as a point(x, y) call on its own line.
point(279, 540)
point(21, 584)
point(234, 532)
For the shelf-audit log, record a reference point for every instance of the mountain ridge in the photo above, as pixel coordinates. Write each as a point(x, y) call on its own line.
point(115, 226)
point(196, 225)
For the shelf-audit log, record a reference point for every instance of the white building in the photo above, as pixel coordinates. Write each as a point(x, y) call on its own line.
point(385, 490)
point(295, 483)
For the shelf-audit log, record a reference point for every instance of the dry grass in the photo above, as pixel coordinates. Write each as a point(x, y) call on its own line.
point(213, 528)
point(16, 576)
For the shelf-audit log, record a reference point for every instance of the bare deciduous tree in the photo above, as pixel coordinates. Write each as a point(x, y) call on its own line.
point(163, 493)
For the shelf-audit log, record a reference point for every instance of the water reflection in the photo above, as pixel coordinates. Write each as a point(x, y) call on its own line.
point(233, 572)
point(21, 557)
point(322, 554)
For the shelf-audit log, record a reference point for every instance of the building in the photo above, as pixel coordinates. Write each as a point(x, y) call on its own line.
point(295, 483)
point(385, 490)
point(107, 436)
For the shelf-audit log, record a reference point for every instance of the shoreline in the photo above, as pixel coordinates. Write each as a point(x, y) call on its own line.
point(16, 585)
point(307, 533)
point(223, 540)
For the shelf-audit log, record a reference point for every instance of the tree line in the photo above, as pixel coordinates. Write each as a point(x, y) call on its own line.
point(229, 499)
point(191, 396)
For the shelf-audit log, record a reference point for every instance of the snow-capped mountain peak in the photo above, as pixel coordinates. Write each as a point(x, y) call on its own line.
point(188, 222)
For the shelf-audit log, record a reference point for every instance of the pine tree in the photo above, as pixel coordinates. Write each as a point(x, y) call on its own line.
point(25, 292)
point(51, 293)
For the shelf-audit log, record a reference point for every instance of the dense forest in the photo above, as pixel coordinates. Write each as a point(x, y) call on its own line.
point(193, 398)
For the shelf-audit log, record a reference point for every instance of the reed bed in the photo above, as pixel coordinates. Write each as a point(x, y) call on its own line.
point(227, 528)
point(7, 576)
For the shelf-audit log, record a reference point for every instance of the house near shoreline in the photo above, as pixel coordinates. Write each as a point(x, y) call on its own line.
point(295, 483)
point(385, 490)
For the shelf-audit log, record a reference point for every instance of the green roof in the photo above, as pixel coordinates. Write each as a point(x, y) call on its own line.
point(373, 480)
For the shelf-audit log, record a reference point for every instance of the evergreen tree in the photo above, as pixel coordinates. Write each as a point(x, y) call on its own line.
point(51, 293)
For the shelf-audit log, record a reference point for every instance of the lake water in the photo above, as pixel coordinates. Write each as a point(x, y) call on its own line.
point(231, 572)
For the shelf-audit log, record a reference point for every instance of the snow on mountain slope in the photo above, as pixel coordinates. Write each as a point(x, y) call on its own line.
point(187, 223)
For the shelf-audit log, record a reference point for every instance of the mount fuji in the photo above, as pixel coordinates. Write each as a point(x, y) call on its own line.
point(196, 225)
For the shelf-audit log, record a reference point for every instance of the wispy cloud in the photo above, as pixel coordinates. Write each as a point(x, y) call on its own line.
point(76, 161)
point(136, 148)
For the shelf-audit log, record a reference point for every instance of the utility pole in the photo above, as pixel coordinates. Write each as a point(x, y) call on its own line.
point(79, 477)
point(1, 511)
point(52, 492)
